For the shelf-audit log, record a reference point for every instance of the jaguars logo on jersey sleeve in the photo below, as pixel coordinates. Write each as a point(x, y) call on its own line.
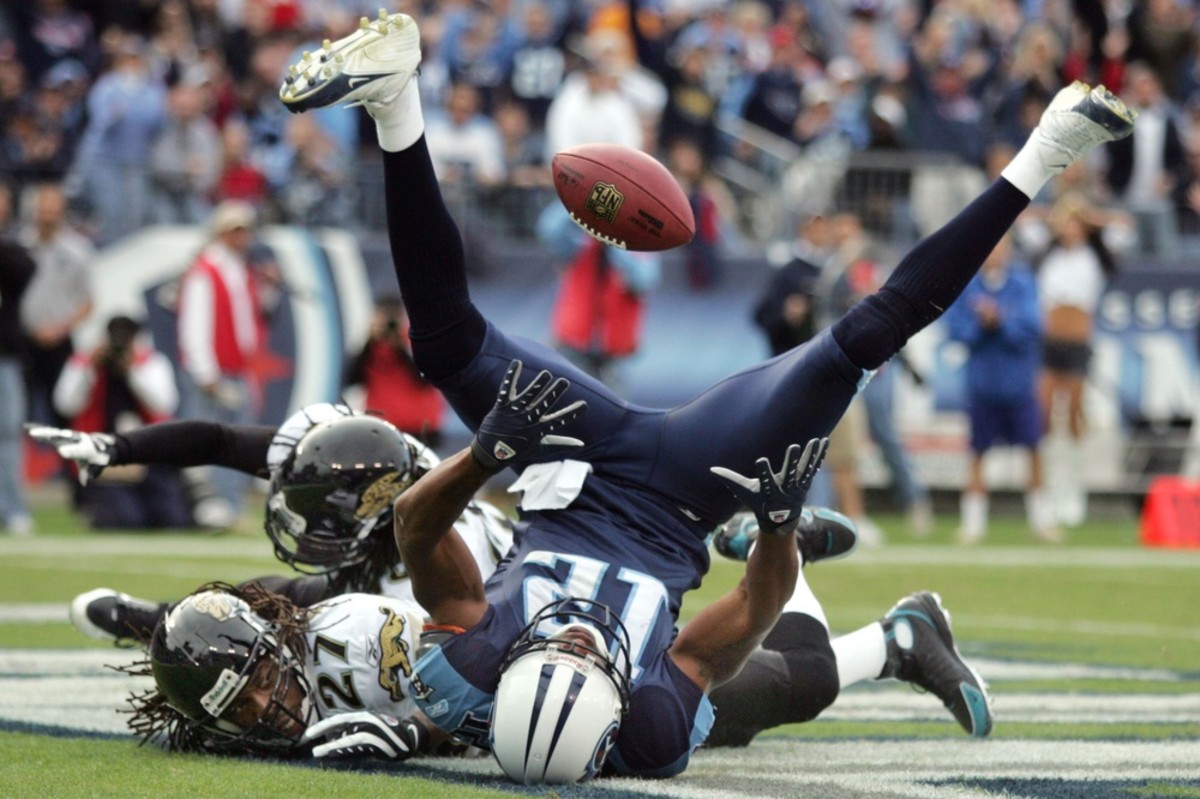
point(361, 648)
point(395, 663)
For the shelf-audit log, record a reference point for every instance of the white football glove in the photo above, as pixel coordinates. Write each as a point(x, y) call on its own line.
point(91, 452)
point(363, 734)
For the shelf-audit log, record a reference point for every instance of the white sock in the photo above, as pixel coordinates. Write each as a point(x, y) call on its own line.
point(973, 506)
point(804, 601)
point(399, 123)
point(1039, 513)
point(1079, 470)
point(1026, 171)
point(861, 655)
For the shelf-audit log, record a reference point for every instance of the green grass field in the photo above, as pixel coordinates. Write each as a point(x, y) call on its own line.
point(1100, 619)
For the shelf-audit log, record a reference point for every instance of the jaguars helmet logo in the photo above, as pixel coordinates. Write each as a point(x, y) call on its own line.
point(604, 200)
point(217, 604)
point(394, 660)
point(380, 494)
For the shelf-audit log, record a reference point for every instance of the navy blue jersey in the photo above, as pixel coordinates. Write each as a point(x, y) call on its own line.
point(668, 714)
point(634, 537)
point(651, 467)
point(648, 503)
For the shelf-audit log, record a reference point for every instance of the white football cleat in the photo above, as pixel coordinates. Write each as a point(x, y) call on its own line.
point(1077, 120)
point(369, 67)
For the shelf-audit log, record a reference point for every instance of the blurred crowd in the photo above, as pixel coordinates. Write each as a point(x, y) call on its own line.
point(171, 104)
point(118, 115)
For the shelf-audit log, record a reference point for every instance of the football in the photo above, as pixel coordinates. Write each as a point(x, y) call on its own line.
point(623, 197)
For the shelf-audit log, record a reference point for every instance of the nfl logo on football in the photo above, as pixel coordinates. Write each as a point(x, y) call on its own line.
point(604, 201)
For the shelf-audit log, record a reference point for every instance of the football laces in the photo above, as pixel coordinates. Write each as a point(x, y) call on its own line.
point(591, 231)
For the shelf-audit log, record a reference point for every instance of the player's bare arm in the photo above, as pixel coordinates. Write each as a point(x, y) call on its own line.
point(715, 645)
point(445, 578)
point(520, 427)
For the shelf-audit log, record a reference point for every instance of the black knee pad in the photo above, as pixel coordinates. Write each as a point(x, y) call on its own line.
point(790, 679)
point(803, 643)
point(752, 701)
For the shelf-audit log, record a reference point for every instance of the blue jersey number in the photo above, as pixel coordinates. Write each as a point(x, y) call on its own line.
point(635, 596)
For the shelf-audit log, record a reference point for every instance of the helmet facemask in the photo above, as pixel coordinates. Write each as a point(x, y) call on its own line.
point(267, 707)
point(321, 542)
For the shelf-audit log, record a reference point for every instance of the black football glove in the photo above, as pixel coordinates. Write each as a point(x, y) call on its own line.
point(366, 735)
point(91, 452)
point(777, 498)
point(520, 423)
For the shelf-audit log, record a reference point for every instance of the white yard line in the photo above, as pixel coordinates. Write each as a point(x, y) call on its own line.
point(51, 685)
point(75, 690)
point(202, 546)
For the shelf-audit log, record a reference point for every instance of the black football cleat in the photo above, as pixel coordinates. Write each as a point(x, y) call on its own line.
point(108, 615)
point(921, 651)
point(822, 534)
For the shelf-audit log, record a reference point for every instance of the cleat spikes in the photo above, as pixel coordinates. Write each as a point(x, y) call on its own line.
point(1077, 120)
point(372, 65)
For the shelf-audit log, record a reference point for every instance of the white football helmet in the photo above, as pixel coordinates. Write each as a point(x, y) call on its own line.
point(562, 694)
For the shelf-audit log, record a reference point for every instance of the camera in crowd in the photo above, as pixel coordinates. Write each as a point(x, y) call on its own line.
point(122, 335)
point(391, 312)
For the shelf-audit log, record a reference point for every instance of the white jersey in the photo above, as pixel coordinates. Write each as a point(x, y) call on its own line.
point(485, 530)
point(1071, 277)
point(361, 651)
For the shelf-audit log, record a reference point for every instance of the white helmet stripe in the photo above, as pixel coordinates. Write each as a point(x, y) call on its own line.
point(568, 707)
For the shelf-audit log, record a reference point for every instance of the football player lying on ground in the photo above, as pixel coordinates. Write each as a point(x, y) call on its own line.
point(284, 678)
point(352, 556)
point(240, 670)
point(327, 514)
point(233, 672)
point(619, 529)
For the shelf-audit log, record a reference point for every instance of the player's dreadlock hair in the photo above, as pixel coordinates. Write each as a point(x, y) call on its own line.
point(365, 577)
point(153, 719)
